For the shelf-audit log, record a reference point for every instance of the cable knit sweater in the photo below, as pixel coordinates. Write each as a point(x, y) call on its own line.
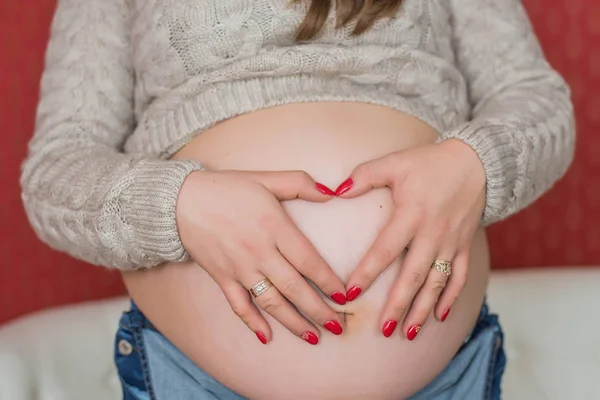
point(129, 82)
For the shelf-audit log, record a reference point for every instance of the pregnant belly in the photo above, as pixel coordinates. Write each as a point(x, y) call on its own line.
point(327, 140)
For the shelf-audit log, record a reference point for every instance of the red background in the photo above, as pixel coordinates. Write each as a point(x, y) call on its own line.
point(562, 229)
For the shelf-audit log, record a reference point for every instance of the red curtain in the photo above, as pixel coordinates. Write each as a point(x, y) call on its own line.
point(561, 229)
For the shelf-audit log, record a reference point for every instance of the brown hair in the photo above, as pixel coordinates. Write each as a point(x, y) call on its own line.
point(366, 12)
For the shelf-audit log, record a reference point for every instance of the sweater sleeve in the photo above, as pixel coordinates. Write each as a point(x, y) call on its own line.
point(522, 123)
point(83, 195)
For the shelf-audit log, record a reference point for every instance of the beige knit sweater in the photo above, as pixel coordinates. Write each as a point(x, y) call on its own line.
point(128, 82)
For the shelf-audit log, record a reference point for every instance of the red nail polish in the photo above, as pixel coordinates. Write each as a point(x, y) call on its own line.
point(261, 337)
point(324, 189)
point(412, 332)
point(344, 187)
point(339, 298)
point(389, 327)
point(310, 338)
point(445, 315)
point(333, 327)
point(353, 293)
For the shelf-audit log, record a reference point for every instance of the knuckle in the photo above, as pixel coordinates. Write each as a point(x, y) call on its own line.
point(419, 214)
point(305, 176)
point(416, 219)
point(300, 174)
point(440, 229)
point(242, 310)
point(308, 262)
point(365, 171)
point(301, 178)
point(461, 282)
point(384, 254)
point(398, 309)
point(417, 278)
point(452, 297)
point(438, 285)
point(291, 288)
point(250, 247)
point(271, 304)
point(269, 222)
point(369, 275)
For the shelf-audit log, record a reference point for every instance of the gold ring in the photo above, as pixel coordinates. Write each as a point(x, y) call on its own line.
point(261, 287)
point(443, 266)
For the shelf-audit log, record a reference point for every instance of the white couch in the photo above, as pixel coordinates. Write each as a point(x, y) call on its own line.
point(550, 317)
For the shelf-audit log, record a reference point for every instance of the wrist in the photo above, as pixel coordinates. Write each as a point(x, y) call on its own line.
point(463, 151)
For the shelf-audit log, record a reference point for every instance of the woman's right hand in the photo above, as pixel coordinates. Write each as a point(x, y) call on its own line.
point(233, 225)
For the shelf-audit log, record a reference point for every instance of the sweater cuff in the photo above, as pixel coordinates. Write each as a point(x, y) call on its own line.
point(139, 220)
point(496, 150)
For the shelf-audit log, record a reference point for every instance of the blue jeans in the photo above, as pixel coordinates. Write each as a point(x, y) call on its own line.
point(151, 368)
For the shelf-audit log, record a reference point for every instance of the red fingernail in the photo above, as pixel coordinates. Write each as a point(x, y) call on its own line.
point(324, 189)
point(445, 315)
point(339, 298)
point(333, 327)
point(389, 327)
point(261, 337)
point(310, 338)
point(344, 187)
point(353, 293)
point(412, 332)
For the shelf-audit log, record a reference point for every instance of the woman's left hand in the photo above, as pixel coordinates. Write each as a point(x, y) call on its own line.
point(439, 196)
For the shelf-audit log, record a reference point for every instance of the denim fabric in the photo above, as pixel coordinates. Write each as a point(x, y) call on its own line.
point(151, 368)
point(476, 370)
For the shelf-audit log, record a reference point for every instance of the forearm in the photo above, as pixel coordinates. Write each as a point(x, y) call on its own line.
point(82, 194)
point(105, 208)
point(522, 122)
point(525, 140)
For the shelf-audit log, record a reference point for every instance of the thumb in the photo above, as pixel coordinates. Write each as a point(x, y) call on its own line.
point(290, 185)
point(373, 174)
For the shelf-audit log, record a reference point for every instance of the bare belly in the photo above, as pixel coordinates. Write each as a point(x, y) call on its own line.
point(327, 140)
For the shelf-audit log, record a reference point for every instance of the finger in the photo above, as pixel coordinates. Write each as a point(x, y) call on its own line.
point(301, 294)
point(455, 285)
point(242, 305)
point(274, 304)
point(370, 175)
point(388, 246)
point(290, 185)
point(426, 299)
point(412, 277)
point(302, 255)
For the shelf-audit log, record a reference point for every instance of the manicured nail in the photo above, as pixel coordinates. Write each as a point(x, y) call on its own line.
point(339, 298)
point(389, 327)
point(310, 338)
point(344, 187)
point(261, 337)
point(445, 315)
point(412, 332)
point(333, 327)
point(353, 293)
point(324, 189)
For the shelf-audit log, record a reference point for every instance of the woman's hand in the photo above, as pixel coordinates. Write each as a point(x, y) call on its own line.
point(232, 224)
point(439, 196)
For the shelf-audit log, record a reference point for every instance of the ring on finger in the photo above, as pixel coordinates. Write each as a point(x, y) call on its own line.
point(261, 287)
point(443, 266)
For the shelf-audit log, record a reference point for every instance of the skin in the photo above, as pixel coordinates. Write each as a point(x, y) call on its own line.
point(433, 222)
point(236, 219)
point(431, 227)
point(258, 240)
